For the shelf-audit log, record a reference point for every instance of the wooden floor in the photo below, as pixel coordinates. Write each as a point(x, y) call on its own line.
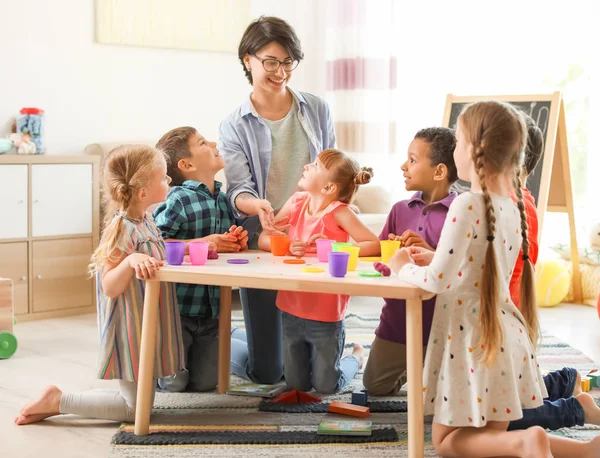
point(63, 352)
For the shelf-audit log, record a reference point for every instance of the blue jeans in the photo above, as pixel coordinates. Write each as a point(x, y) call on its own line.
point(560, 409)
point(258, 356)
point(201, 346)
point(313, 355)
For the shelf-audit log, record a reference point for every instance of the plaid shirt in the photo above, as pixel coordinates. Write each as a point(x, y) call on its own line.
point(191, 212)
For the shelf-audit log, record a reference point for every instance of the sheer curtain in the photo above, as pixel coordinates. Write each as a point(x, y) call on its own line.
point(391, 63)
point(362, 82)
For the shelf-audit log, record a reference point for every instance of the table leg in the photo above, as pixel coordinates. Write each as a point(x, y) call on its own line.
point(224, 339)
point(143, 405)
point(414, 350)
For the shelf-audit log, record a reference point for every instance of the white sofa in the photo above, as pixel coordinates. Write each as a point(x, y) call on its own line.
point(373, 201)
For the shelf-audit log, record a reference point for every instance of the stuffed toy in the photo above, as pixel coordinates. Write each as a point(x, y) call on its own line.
point(23, 143)
point(595, 237)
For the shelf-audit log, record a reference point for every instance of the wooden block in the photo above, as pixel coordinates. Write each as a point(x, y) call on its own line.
point(594, 380)
point(349, 409)
point(6, 305)
point(585, 384)
point(360, 398)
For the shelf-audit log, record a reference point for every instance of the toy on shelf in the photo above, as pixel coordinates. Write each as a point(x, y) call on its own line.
point(30, 124)
point(8, 341)
point(5, 145)
point(23, 143)
point(349, 409)
point(595, 237)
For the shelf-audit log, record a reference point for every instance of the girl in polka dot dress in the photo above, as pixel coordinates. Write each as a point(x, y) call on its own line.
point(480, 369)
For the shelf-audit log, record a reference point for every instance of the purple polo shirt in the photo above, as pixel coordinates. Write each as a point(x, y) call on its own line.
point(427, 221)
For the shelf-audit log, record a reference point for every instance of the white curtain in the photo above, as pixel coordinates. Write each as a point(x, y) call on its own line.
point(391, 63)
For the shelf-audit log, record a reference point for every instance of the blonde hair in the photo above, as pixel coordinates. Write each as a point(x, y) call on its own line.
point(345, 172)
point(127, 169)
point(499, 136)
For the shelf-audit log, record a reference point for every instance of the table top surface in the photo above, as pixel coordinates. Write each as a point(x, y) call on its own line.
point(265, 271)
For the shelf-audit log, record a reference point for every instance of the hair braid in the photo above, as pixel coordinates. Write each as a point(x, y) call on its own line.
point(491, 337)
point(528, 303)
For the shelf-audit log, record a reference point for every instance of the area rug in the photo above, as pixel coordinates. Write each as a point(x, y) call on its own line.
point(209, 424)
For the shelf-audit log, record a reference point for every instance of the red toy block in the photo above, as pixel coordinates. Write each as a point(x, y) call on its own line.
point(349, 409)
point(297, 397)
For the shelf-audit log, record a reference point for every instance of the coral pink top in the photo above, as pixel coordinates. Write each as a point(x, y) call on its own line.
point(314, 306)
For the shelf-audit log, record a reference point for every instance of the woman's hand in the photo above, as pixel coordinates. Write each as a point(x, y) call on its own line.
point(144, 266)
point(421, 256)
point(266, 215)
point(400, 259)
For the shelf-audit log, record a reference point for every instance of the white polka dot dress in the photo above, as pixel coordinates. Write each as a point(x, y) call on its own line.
point(459, 390)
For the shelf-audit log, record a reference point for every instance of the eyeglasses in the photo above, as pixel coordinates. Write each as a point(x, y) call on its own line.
point(272, 65)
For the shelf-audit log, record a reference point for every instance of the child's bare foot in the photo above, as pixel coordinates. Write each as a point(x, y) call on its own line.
point(591, 410)
point(577, 389)
point(535, 443)
point(46, 406)
point(593, 448)
point(359, 353)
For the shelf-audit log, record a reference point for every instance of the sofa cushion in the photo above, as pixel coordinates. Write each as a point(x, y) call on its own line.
point(373, 199)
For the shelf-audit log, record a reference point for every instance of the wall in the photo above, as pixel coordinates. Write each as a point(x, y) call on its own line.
point(94, 92)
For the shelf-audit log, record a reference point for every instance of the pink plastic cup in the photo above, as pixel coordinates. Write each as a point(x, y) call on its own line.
point(198, 253)
point(323, 249)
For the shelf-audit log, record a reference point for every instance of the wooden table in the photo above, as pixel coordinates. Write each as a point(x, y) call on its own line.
point(265, 271)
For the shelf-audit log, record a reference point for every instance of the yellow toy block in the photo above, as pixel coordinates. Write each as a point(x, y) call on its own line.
point(585, 384)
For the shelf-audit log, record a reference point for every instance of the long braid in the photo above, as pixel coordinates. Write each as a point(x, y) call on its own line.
point(491, 337)
point(527, 300)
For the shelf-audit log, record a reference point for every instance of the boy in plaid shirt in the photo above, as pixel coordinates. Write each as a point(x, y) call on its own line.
point(196, 209)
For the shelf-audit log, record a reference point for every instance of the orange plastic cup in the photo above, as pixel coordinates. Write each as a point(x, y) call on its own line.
point(280, 244)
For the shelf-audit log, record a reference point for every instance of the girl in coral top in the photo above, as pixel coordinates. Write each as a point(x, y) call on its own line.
point(313, 323)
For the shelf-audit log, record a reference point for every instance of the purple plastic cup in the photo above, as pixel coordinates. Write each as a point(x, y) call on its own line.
point(323, 249)
point(338, 263)
point(175, 252)
point(198, 253)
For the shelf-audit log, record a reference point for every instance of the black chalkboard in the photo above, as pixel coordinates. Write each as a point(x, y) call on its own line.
point(540, 112)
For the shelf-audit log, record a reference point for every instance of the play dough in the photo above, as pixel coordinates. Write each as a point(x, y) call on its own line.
point(294, 261)
point(313, 270)
point(369, 274)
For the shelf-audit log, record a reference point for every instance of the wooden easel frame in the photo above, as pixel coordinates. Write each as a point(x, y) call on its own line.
point(556, 192)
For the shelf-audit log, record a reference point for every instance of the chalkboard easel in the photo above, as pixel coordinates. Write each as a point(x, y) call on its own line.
point(550, 182)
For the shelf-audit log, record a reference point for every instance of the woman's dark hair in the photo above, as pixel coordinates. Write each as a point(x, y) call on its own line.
point(263, 31)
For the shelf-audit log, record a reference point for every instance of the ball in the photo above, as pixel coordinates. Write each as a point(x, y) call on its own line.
point(552, 281)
